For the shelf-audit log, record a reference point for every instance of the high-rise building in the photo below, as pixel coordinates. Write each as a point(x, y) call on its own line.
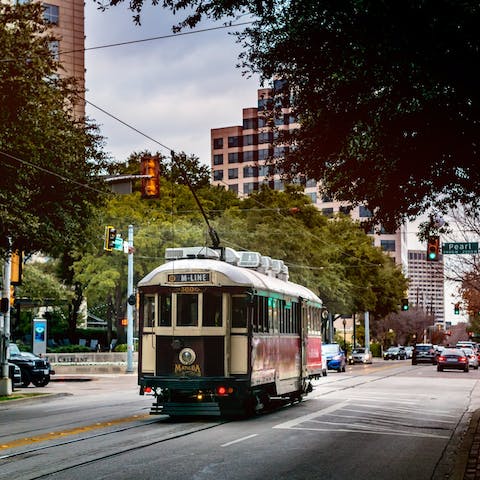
point(67, 20)
point(239, 161)
point(426, 287)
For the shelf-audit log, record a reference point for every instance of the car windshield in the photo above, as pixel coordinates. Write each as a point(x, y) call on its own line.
point(330, 348)
point(453, 351)
point(359, 350)
point(424, 348)
point(468, 351)
point(393, 349)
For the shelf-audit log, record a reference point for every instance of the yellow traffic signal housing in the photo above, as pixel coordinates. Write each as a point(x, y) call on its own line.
point(109, 241)
point(433, 248)
point(150, 185)
point(16, 268)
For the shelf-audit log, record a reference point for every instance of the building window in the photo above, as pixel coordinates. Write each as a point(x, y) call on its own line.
point(249, 123)
point(234, 157)
point(278, 185)
point(250, 187)
point(264, 170)
point(51, 13)
point(262, 122)
point(250, 172)
point(217, 143)
point(265, 137)
point(311, 183)
point(313, 196)
point(364, 212)
point(54, 47)
point(328, 212)
point(264, 154)
point(249, 156)
point(232, 173)
point(218, 175)
point(233, 188)
point(218, 159)
point(345, 209)
point(387, 245)
point(280, 151)
point(265, 104)
point(249, 140)
point(234, 142)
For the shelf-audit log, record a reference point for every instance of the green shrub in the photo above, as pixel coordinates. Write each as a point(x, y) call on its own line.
point(122, 347)
point(376, 349)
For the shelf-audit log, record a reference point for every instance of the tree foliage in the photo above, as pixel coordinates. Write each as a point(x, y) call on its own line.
point(386, 93)
point(49, 159)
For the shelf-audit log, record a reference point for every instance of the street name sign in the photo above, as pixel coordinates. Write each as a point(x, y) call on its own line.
point(459, 247)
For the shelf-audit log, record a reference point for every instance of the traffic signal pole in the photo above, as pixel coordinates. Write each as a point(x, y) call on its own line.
point(5, 381)
point(129, 305)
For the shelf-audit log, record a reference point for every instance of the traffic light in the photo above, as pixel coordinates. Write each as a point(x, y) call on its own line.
point(433, 248)
point(16, 268)
point(110, 235)
point(150, 168)
point(404, 304)
point(456, 309)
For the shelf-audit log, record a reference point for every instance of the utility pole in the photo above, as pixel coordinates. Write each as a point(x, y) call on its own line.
point(130, 304)
point(367, 331)
point(5, 381)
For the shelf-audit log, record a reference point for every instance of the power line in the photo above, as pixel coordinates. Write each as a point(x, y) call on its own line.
point(161, 37)
point(50, 172)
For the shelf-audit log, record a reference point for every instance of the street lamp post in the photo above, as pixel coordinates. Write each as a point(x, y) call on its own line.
point(344, 335)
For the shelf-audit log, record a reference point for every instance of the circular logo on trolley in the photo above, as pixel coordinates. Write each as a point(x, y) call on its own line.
point(187, 356)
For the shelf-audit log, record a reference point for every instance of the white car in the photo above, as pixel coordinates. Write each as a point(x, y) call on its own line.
point(472, 358)
point(360, 355)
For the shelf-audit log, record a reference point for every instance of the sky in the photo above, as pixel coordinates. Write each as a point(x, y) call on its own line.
point(173, 90)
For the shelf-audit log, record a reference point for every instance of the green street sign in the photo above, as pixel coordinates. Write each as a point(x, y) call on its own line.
point(459, 247)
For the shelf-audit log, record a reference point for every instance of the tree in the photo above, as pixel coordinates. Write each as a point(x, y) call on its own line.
point(385, 92)
point(50, 160)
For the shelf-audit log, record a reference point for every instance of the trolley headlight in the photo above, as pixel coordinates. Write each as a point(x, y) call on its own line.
point(187, 356)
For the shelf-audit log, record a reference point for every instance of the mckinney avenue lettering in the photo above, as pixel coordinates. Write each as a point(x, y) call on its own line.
point(189, 277)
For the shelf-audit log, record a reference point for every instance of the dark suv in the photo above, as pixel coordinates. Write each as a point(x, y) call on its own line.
point(34, 369)
point(424, 352)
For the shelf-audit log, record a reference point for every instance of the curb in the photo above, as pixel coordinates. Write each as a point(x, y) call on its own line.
point(470, 450)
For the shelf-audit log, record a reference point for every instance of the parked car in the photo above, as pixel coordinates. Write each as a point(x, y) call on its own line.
point(453, 358)
point(15, 374)
point(360, 355)
point(472, 358)
point(424, 352)
point(336, 359)
point(33, 369)
point(395, 353)
point(467, 344)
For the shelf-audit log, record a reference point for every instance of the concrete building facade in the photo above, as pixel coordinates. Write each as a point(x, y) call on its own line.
point(240, 162)
point(426, 287)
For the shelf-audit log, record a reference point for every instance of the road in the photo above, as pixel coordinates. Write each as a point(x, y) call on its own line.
point(389, 420)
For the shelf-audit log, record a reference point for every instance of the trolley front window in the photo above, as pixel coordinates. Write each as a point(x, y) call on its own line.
point(149, 311)
point(187, 310)
point(239, 311)
point(212, 309)
point(165, 310)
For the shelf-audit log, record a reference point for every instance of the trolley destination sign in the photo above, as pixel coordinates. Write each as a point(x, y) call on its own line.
point(189, 277)
point(459, 247)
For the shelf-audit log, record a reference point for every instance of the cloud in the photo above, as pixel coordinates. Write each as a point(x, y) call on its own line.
point(174, 90)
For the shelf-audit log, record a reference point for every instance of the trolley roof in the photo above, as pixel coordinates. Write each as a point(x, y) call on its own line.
point(237, 275)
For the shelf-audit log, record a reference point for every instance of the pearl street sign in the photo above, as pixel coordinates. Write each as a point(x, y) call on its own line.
point(459, 247)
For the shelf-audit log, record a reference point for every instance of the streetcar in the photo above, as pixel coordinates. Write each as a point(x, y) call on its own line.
point(225, 333)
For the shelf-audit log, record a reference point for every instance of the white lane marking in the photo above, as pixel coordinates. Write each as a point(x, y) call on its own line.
point(393, 434)
point(239, 440)
point(385, 419)
point(306, 418)
point(421, 415)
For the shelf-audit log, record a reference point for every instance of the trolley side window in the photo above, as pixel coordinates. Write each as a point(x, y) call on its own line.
point(187, 310)
point(149, 311)
point(165, 310)
point(239, 311)
point(212, 309)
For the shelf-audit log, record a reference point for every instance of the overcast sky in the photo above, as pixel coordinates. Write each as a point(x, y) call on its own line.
point(174, 90)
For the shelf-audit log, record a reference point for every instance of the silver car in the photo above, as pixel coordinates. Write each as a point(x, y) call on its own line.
point(472, 358)
point(360, 355)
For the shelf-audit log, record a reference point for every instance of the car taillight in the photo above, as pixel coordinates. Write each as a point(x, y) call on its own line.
point(462, 359)
point(441, 358)
point(147, 389)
